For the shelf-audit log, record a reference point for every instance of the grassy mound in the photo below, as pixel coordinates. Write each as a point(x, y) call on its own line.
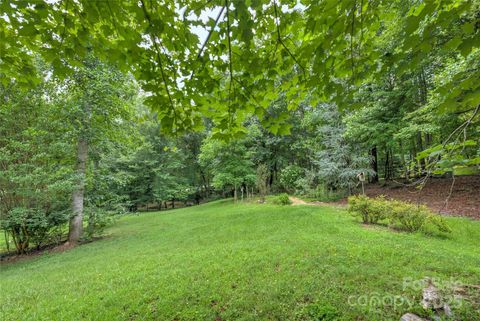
point(224, 261)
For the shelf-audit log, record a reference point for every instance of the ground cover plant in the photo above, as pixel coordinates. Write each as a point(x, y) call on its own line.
point(297, 263)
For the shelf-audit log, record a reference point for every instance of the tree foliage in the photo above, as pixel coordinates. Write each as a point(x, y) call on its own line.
point(191, 99)
point(329, 47)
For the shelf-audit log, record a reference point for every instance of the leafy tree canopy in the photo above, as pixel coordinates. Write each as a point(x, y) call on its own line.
point(329, 48)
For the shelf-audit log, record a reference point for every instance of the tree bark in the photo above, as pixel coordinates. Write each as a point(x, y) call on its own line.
point(373, 153)
point(420, 148)
point(76, 222)
point(402, 159)
point(387, 165)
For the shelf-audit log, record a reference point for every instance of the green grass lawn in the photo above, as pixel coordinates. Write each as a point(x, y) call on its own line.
point(224, 261)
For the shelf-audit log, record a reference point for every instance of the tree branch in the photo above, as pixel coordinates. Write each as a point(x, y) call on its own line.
point(113, 18)
point(64, 22)
point(229, 55)
point(351, 41)
point(159, 58)
point(210, 32)
point(279, 38)
point(208, 38)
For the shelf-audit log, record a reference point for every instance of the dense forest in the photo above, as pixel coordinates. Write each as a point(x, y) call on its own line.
point(108, 108)
point(304, 160)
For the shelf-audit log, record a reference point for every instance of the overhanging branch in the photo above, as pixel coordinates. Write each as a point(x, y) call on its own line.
point(159, 58)
point(279, 38)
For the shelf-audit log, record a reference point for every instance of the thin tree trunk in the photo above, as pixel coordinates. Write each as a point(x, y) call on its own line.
point(386, 166)
point(392, 164)
point(420, 148)
point(373, 153)
point(76, 222)
point(402, 159)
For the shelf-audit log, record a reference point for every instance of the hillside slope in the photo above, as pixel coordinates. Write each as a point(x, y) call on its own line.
point(223, 261)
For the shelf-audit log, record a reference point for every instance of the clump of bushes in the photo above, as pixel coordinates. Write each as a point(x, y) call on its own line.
point(403, 215)
point(370, 210)
point(282, 199)
point(27, 226)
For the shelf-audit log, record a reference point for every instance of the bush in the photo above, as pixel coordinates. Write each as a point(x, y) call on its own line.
point(370, 210)
point(282, 199)
point(98, 219)
point(407, 216)
point(439, 223)
point(403, 215)
point(101, 210)
point(289, 178)
point(324, 194)
point(27, 226)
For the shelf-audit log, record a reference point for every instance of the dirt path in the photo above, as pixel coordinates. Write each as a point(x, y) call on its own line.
point(297, 201)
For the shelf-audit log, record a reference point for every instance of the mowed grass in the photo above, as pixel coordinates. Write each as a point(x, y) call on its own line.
point(224, 261)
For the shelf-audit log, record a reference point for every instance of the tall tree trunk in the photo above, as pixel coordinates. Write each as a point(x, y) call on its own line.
point(91, 217)
point(76, 222)
point(402, 159)
point(428, 140)
point(391, 165)
point(373, 153)
point(420, 148)
point(387, 165)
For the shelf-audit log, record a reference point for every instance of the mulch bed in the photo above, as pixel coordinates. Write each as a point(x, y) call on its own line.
point(464, 199)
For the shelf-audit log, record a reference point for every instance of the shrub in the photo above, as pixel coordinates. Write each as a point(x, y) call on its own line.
point(27, 226)
point(282, 199)
point(289, 177)
point(411, 217)
point(404, 215)
point(359, 205)
point(370, 210)
point(439, 223)
point(98, 219)
point(325, 194)
point(407, 216)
